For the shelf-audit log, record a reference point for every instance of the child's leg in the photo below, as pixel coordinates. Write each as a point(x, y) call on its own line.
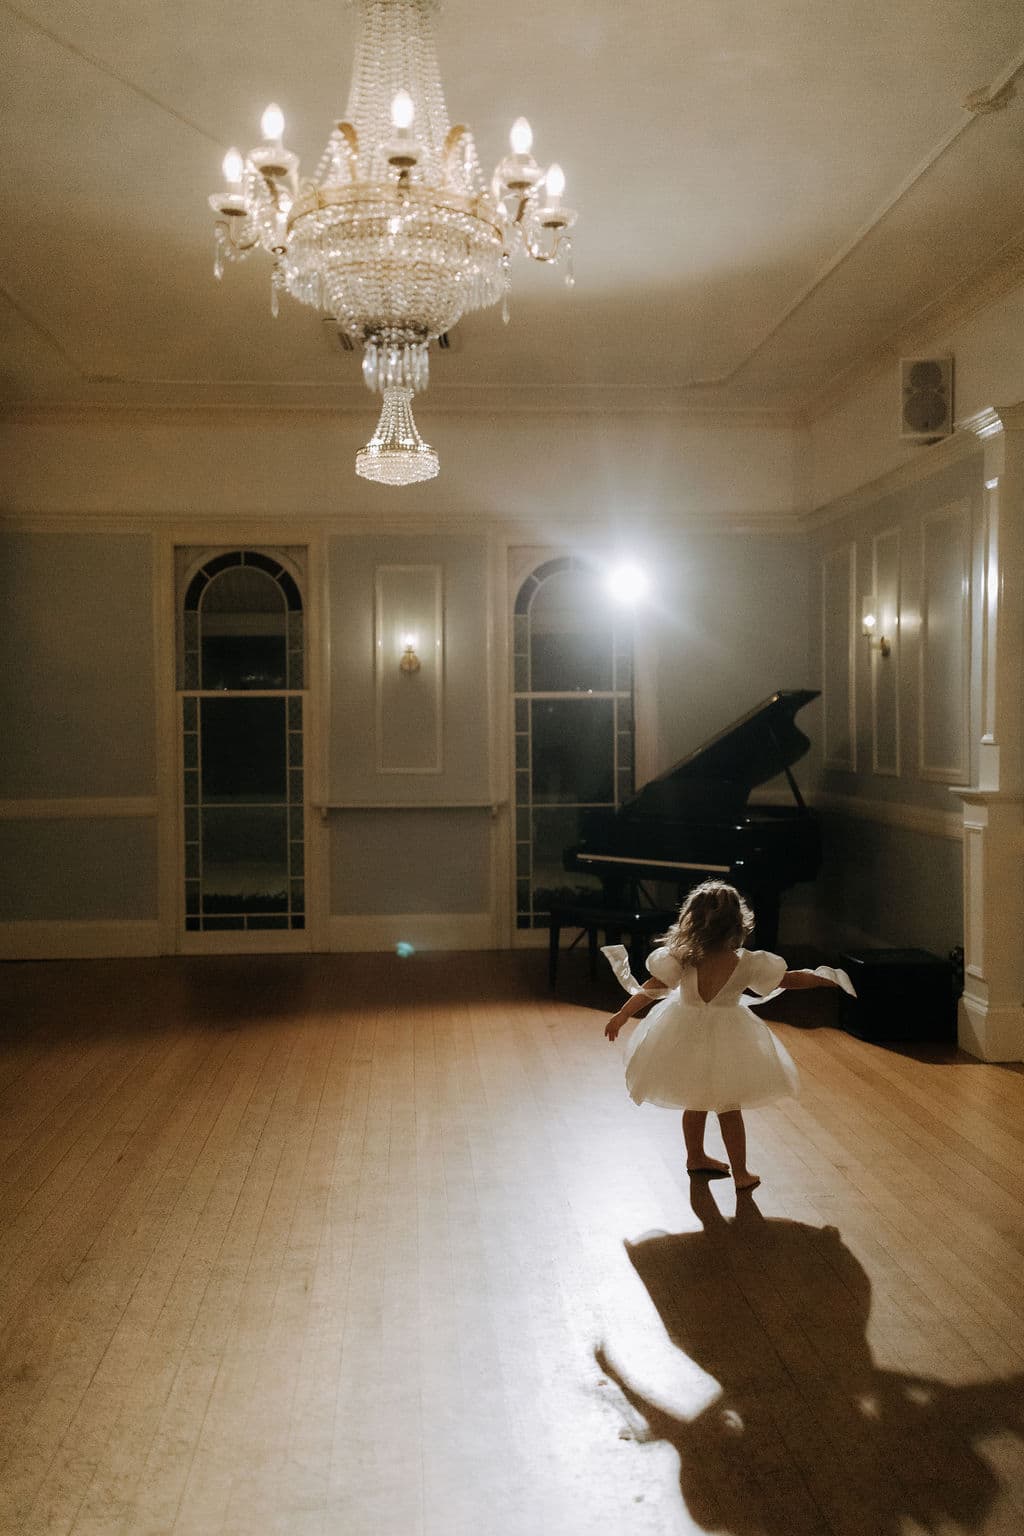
point(697, 1160)
point(734, 1135)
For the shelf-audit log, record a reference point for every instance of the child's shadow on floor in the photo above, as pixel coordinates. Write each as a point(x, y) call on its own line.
point(807, 1435)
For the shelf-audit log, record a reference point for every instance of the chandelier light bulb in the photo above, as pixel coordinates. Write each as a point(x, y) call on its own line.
point(272, 124)
point(232, 167)
point(397, 232)
point(521, 137)
point(402, 111)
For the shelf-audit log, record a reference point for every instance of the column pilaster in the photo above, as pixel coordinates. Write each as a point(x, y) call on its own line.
point(991, 1023)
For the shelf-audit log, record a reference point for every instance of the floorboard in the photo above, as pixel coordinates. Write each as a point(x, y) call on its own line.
point(302, 1245)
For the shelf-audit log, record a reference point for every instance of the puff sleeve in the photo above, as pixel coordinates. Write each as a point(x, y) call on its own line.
point(664, 967)
point(764, 971)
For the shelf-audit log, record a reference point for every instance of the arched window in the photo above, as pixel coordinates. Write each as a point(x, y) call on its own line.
point(573, 659)
point(241, 675)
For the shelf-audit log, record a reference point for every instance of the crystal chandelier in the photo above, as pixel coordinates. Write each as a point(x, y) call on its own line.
point(396, 235)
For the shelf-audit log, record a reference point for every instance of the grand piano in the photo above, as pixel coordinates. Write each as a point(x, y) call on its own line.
point(693, 821)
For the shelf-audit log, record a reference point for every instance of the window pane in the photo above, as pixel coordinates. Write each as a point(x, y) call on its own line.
point(243, 623)
point(570, 636)
point(243, 750)
point(573, 744)
point(245, 860)
point(553, 832)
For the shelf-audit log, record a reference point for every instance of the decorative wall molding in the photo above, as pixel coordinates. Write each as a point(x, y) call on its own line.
point(423, 930)
point(838, 666)
point(408, 607)
point(83, 808)
point(886, 578)
point(893, 813)
point(944, 675)
point(111, 940)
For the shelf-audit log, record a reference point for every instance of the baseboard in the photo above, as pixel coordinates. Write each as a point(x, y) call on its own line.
point(423, 930)
point(111, 940)
point(991, 1034)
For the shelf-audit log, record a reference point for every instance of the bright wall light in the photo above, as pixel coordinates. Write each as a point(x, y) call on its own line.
point(627, 583)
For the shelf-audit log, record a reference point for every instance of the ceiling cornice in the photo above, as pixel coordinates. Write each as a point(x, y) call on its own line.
point(929, 461)
point(1000, 275)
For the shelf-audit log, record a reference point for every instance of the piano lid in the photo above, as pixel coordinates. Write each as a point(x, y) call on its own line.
point(763, 743)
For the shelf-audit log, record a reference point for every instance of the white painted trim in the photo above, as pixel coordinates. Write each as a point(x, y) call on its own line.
point(170, 835)
point(81, 808)
point(847, 551)
point(380, 661)
point(423, 930)
point(958, 512)
point(211, 540)
point(991, 1034)
point(893, 660)
point(499, 727)
point(114, 939)
point(316, 733)
point(893, 813)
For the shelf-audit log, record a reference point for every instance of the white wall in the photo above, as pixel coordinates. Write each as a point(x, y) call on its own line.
point(857, 441)
point(551, 471)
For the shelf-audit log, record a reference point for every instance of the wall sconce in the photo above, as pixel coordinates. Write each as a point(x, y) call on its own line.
point(410, 662)
point(869, 624)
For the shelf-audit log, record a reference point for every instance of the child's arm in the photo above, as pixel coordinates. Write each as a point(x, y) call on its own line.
point(795, 981)
point(647, 994)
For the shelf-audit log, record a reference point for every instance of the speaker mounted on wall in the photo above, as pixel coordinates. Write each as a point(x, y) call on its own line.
point(926, 399)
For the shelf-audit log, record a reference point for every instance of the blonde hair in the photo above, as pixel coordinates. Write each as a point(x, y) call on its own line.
point(713, 916)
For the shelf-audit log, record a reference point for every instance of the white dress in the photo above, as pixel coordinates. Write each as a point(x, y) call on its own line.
point(692, 1054)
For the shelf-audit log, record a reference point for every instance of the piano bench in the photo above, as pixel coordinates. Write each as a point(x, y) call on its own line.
point(640, 925)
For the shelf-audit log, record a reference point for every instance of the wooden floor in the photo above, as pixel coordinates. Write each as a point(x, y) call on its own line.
point(371, 1247)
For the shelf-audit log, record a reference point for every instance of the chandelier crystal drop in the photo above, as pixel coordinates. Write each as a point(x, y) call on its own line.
point(396, 454)
point(397, 234)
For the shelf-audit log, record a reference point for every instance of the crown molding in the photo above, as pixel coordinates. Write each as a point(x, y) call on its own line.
point(993, 420)
point(1000, 275)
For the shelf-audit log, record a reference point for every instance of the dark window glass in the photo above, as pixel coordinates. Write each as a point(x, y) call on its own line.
point(245, 860)
point(573, 751)
point(243, 750)
point(553, 831)
point(570, 636)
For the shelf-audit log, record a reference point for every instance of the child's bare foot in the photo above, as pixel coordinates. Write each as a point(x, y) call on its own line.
point(707, 1165)
point(744, 1181)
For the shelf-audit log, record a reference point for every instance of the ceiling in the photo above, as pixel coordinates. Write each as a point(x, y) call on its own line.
point(772, 195)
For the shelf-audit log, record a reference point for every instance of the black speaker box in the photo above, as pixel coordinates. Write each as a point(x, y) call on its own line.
point(902, 994)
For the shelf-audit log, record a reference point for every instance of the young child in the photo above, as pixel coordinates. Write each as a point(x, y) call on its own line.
point(702, 1049)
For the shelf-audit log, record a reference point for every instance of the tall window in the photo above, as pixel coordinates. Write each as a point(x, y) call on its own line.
point(241, 679)
point(573, 726)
